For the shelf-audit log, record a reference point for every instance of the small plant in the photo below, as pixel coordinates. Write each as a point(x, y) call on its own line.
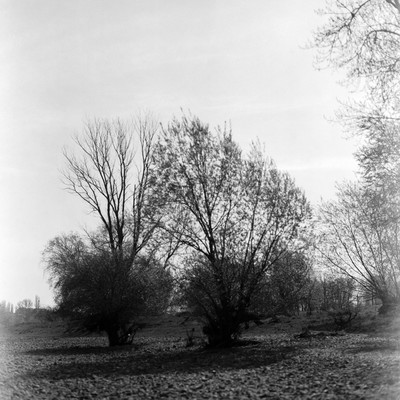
point(305, 333)
point(129, 334)
point(342, 317)
point(190, 337)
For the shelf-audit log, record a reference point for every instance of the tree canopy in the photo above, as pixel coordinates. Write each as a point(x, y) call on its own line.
point(237, 214)
point(362, 38)
point(106, 280)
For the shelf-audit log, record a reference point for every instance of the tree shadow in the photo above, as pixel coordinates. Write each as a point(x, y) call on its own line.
point(64, 363)
point(79, 350)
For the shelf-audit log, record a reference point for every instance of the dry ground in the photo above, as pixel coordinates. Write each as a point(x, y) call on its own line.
point(38, 361)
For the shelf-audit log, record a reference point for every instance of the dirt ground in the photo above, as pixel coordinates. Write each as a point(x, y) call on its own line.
point(41, 361)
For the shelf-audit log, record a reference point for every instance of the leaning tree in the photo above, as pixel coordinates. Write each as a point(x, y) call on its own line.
point(236, 216)
point(356, 240)
point(362, 39)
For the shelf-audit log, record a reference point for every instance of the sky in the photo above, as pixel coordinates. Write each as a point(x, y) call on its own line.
point(64, 62)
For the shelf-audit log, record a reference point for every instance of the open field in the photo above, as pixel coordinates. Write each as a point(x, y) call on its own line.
point(38, 361)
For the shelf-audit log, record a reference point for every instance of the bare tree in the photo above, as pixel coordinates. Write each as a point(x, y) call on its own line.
point(102, 177)
point(112, 173)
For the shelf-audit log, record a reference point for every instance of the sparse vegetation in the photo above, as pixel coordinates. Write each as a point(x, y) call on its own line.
point(276, 299)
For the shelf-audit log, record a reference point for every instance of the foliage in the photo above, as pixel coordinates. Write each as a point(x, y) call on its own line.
point(286, 283)
point(356, 242)
point(343, 317)
point(337, 298)
point(102, 293)
point(222, 313)
point(337, 293)
point(379, 159)
point(25, 303)
point(237, 215)
point(362, 37)
point(109, 280)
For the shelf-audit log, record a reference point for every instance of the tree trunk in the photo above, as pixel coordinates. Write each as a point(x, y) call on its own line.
point(225, 329)
point(113, 336)
point(388, 305)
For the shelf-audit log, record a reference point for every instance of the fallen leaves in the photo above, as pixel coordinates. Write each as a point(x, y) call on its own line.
point(274, 366)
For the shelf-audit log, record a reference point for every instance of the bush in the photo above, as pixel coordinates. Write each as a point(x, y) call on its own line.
point(105, 291)
point(285, 285)
point(223, 305)
point(342, 318)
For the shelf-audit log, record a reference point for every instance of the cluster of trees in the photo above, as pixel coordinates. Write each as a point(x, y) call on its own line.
point(6, 311)
point(294, 288)
point(195, 215)
point(360, 230)
point(184, 212)
point(24, 310)
point(6, 307)
point(28, 303)
point(236, 215)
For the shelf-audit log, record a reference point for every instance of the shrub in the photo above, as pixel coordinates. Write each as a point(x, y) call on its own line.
point(102, 291)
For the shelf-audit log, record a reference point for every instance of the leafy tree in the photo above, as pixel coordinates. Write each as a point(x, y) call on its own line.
point(337, 292)
point(111, 172)
point(238, 216)
point(25, 303)
point(286, 283)
point(104, 295)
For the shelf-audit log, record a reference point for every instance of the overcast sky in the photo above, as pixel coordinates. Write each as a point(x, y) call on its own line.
point(62, 62)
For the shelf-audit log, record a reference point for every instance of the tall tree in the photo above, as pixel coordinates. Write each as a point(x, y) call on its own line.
point(286, 283)
point(362, 38)
point(37, 302)
point(238, 215)
point(111, 172)
point(101, 175)
point(355, 241)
